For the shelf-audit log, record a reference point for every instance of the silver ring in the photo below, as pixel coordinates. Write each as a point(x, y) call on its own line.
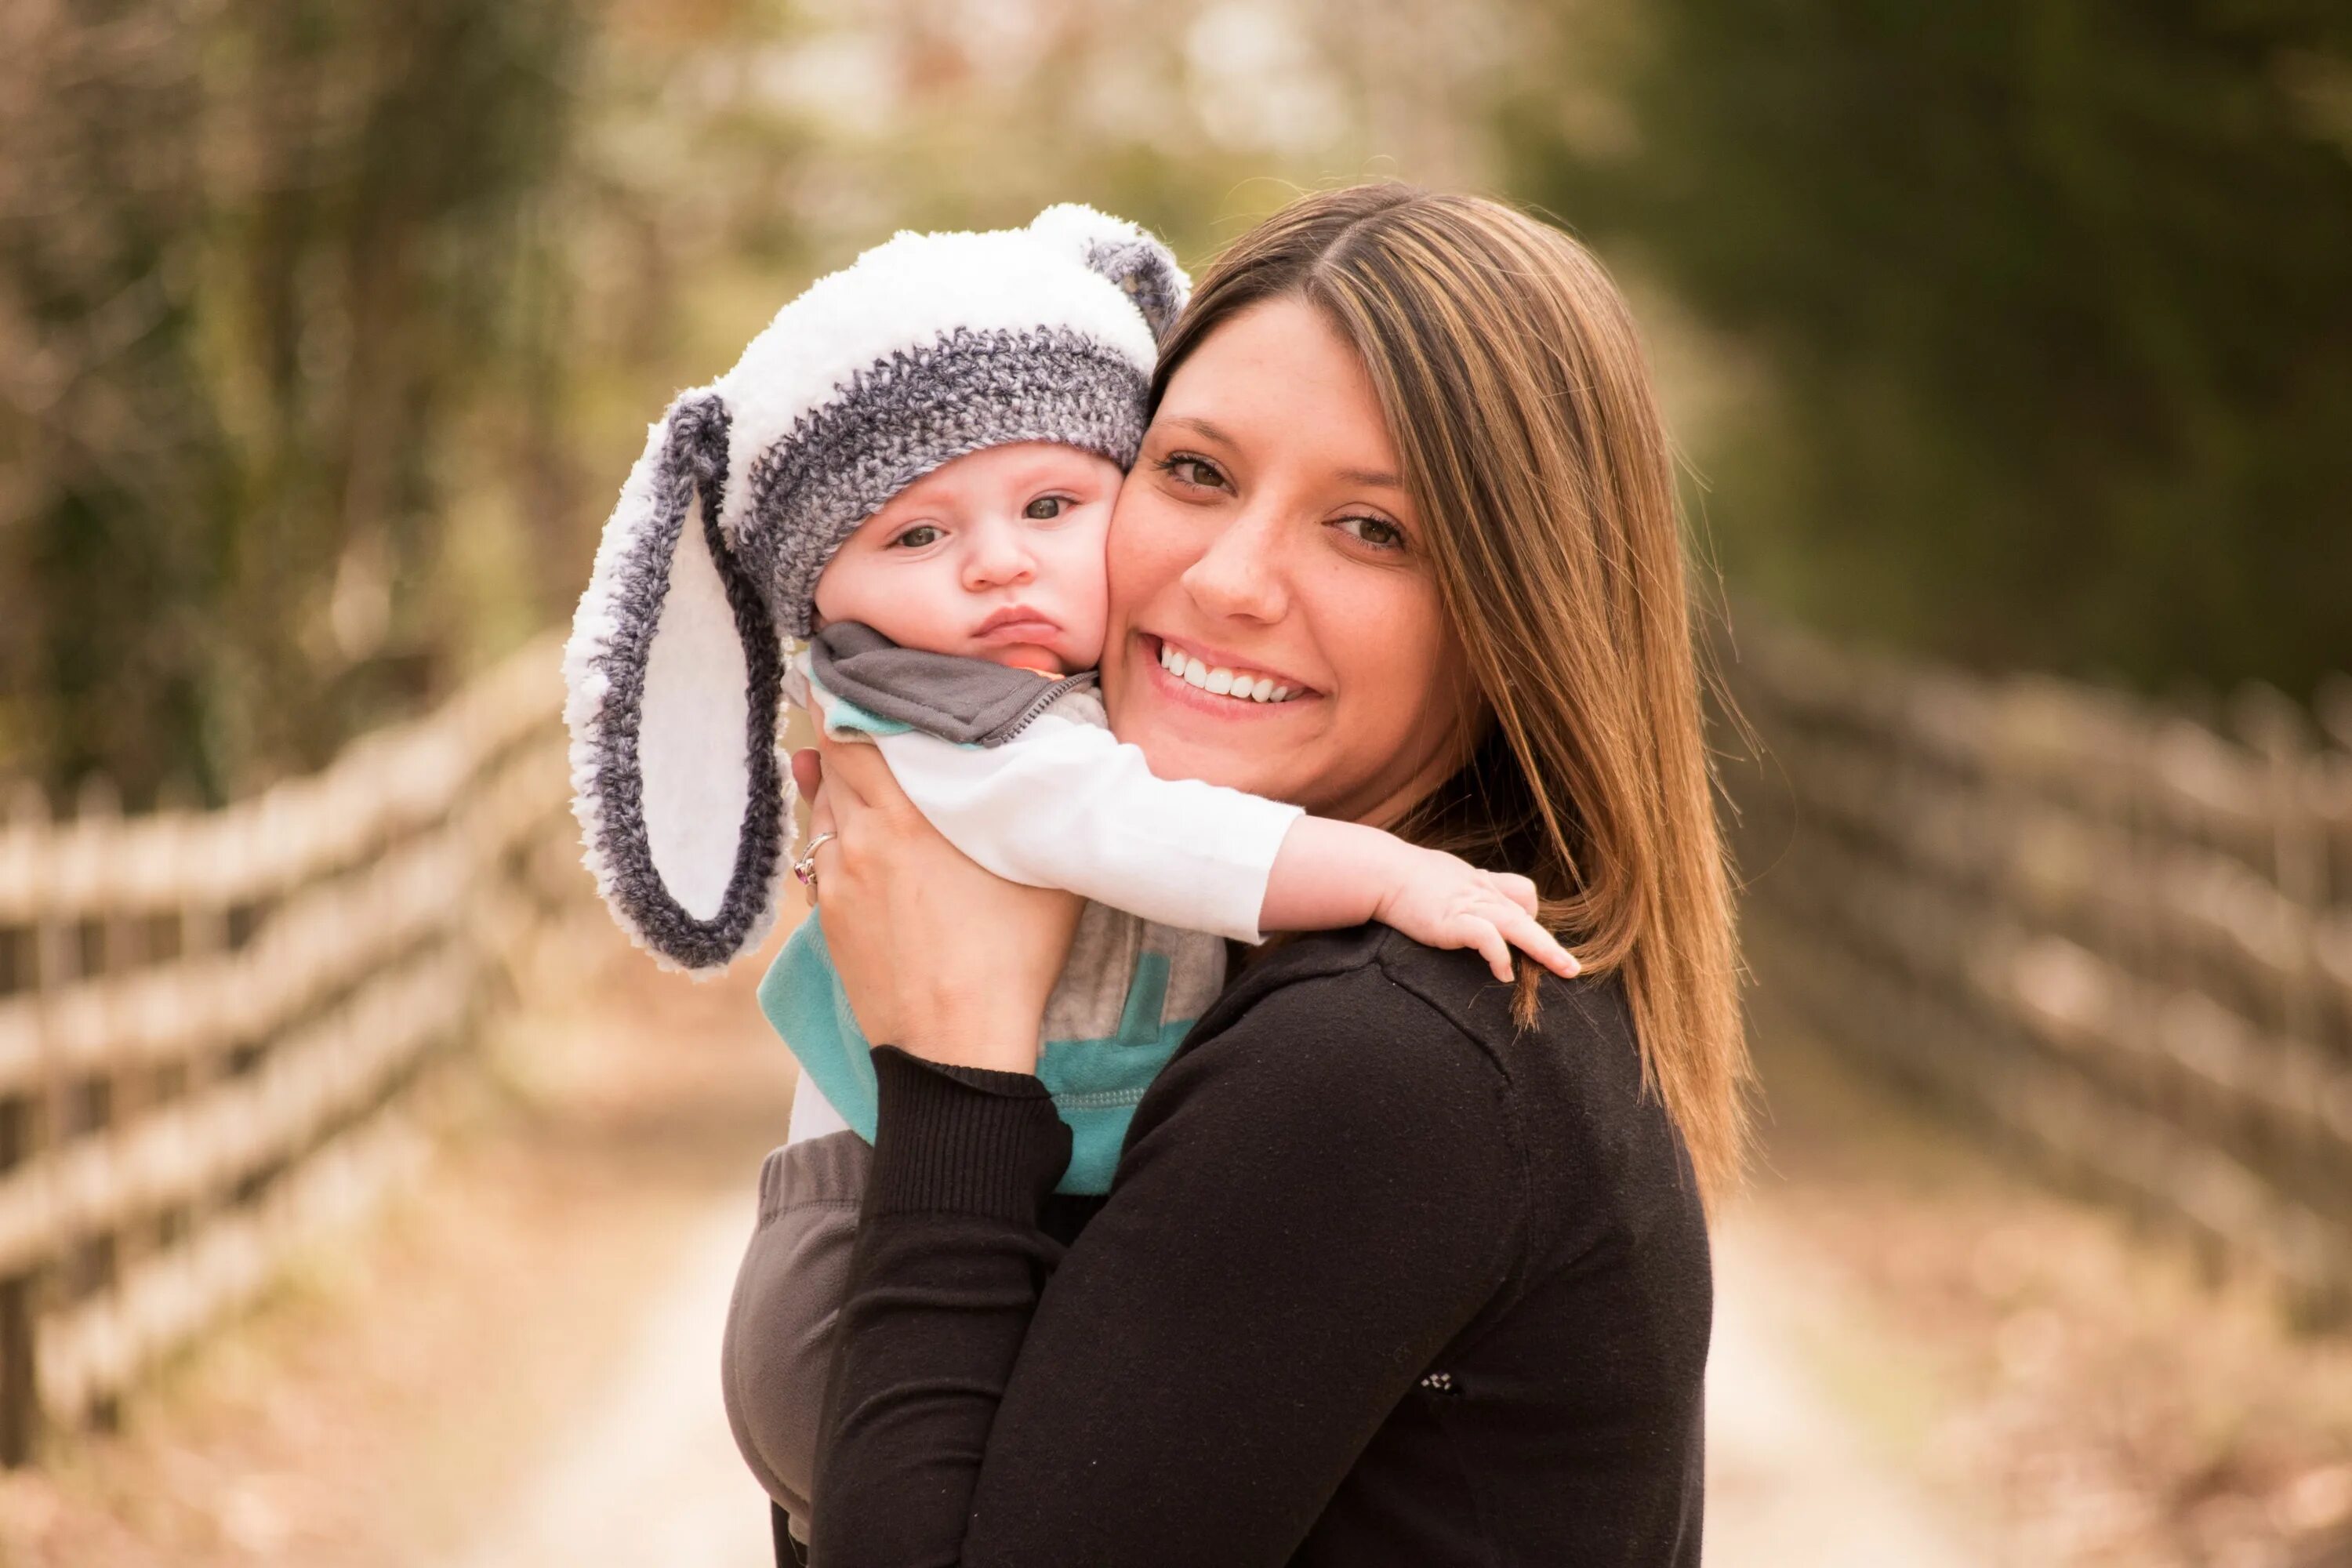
point(805, 867)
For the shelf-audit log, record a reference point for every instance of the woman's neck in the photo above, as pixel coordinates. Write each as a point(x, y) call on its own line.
point(1387, 801)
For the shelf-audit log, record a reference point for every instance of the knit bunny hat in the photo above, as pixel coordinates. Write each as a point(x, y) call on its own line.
point(925, 348)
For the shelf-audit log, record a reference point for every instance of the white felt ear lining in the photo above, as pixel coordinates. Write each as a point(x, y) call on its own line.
point(695, 777)
point(673, 669)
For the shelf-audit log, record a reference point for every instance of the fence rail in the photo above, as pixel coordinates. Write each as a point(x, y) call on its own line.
point(209, 1022)
point(2120, 938)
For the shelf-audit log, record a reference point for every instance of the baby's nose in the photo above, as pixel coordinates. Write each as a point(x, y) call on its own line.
point(1000, 560)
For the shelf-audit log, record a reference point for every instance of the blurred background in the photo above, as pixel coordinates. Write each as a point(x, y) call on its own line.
point(362, 1199)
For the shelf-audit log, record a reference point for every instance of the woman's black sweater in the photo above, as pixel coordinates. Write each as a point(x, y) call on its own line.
point(1379, 1279)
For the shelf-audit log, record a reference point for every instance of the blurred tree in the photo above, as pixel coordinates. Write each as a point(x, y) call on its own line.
point(99, 436)
point(2055, 298)
point(254, 256)
point(327, 329)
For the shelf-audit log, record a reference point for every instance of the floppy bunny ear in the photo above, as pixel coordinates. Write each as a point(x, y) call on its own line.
point(672, 672)
point(1129, 255)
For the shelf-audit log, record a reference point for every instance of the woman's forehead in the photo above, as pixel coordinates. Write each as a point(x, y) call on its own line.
point(1280, 372)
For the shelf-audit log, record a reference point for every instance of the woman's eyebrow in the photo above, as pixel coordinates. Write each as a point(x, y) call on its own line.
point(1201, 427)
point(1372, 478)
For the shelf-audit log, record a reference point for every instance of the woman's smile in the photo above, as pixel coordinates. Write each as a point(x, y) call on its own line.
point(1234, 688)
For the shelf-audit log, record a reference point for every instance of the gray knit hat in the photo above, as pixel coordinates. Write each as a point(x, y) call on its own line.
point(923, 349)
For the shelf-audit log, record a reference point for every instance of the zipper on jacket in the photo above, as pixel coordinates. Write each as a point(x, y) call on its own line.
point(1037, 704)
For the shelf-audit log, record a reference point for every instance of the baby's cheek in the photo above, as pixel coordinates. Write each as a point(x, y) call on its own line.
point(837, 588)
point(851, 589)
point(1089, 615)
point(1086, 649)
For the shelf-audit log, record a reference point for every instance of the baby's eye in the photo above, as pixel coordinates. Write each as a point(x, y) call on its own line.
point(1376, 531)
point(914, 538)
point(1045, 508)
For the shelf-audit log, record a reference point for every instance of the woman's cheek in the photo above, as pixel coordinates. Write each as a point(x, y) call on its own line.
point(1408, 679)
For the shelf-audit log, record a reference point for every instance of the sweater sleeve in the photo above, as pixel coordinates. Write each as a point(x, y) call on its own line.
point(1311, 1205)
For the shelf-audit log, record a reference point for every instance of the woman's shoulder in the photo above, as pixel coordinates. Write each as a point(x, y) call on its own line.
point(1372, 973)
point(1370, 1013)
point(1326, 1006)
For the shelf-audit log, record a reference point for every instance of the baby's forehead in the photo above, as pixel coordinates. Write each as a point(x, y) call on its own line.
point(1023, 464)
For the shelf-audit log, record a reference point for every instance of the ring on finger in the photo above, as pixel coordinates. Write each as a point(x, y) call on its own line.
point(805, 867)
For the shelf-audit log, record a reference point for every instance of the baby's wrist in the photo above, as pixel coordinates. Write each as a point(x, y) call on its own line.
point(1403, 869)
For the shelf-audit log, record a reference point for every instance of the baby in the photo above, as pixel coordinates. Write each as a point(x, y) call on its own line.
point(913, 469)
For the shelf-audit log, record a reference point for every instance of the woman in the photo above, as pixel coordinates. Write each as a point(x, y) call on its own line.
point(1398, 1265)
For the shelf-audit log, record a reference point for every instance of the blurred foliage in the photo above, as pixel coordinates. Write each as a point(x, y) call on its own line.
point(255, 259)
point(2052, 298)
point(328, 328)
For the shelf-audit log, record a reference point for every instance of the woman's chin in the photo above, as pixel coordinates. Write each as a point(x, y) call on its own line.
point(1186, 732)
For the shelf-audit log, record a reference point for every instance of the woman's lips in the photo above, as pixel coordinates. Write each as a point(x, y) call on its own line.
point(1229, 690)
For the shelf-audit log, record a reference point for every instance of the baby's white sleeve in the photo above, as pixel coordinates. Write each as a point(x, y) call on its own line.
point(1070, 805)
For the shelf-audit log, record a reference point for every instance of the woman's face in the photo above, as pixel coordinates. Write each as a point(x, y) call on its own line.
point(1264, 546)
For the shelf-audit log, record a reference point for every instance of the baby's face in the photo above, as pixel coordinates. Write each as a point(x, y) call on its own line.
point(995, 555)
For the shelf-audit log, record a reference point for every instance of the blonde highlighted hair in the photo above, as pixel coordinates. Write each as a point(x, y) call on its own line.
point(1519, 400)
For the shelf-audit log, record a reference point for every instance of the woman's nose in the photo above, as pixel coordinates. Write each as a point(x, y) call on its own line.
point(1238, 573)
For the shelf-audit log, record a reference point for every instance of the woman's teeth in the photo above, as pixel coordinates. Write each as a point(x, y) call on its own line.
point(1223, 682)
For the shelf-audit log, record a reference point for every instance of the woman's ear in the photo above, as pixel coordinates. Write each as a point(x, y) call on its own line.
point(1129, 255)
point(672, 675)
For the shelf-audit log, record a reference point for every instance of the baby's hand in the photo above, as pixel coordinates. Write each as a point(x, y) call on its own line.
point(1444, 901)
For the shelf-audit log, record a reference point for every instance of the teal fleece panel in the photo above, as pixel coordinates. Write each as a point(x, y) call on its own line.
point(1095, 1083)
point(843, 716)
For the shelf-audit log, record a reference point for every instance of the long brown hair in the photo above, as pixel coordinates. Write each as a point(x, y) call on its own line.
point(1518, 397)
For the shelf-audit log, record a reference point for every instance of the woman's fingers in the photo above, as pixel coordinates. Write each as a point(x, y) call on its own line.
point(838, 765)
point(859, 768)
point(820, 824)
point(888, 884)
point(808, 772)
point(847, 789)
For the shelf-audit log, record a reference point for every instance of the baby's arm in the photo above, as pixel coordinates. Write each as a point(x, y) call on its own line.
point(1332, 874)
point(1070, 805)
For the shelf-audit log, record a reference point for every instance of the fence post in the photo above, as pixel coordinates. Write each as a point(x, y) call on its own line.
point(24, 1138)
point(2270, 722)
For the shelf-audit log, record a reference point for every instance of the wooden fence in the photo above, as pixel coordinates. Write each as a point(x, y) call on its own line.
point(209, 1022)
point(2117, 937)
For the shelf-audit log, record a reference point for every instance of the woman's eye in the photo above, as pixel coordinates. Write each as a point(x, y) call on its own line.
point(1045, 508)
point(914, 538)
point(1196, 471)
point(1378, 532)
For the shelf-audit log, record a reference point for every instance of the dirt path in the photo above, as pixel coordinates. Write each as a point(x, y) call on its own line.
point(652, 1475)
point(1793, 1478)
point(2077, 1392)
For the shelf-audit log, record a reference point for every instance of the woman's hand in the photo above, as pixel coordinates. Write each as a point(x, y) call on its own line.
point(939, 957)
